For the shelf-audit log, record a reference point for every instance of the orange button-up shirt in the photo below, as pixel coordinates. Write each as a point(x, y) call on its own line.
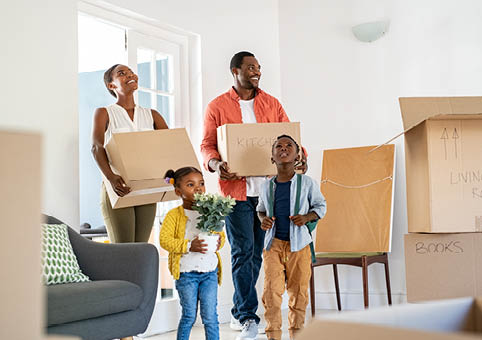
point(225, 109)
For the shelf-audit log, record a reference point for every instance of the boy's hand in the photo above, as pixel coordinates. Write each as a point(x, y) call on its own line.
point(198, 246)
point(267, 223)
point(299, 220)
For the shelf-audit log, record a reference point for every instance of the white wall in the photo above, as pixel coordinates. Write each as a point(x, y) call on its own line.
point(39, 92)
point(345, 92)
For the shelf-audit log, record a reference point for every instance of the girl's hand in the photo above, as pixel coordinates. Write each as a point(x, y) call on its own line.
point(267, 223)
point(299, 220)
point(198, 246)
point(219, 242)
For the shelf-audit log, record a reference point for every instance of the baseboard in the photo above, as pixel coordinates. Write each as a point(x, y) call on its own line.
point(354, 300)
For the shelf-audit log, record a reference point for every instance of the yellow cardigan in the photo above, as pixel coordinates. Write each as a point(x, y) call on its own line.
point(172, 239)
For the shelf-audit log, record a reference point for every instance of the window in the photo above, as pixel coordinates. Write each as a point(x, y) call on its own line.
point(160, 59)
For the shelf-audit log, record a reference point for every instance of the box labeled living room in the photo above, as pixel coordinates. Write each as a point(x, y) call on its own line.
point(443, 136)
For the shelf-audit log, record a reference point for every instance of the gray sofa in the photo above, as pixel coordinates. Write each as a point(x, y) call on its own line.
point(117, 302)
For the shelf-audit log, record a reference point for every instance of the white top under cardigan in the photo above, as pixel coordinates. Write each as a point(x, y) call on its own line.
point(194, 261)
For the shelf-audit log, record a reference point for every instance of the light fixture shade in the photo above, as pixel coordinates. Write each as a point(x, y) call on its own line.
point(370, 31)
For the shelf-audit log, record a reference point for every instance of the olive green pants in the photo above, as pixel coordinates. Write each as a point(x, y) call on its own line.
point(131, 224)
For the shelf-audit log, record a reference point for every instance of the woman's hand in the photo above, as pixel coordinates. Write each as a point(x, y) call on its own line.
point(198, 246)
point(119, 185)
point(267, 223)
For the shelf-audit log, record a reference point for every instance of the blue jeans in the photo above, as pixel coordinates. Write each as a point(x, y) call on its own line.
point(203, 287)
point(247, 239)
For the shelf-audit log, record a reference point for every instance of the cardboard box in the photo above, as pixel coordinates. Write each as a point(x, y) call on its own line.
point(459, 319)
point(443, 163)
point(358, 187)
point(142, 159)
point(22, 293)
point(442, 266)
point(247, 147)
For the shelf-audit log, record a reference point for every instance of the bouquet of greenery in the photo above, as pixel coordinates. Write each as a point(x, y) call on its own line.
point(213, 209)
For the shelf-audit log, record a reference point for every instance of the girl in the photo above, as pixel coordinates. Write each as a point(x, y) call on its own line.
point(132, 224)
point(196, 271)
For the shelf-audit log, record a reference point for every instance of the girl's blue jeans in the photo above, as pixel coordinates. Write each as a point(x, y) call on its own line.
point(194, 287)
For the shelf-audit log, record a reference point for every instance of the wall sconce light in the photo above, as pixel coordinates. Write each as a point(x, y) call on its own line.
point(370, 31)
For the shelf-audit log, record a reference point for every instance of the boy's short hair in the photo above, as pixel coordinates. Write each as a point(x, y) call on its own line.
point(285, 136)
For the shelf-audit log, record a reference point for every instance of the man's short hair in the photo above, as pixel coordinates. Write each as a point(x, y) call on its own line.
point(237, 59)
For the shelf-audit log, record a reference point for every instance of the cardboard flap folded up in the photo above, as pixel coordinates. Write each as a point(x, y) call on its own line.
point(416, 110)
point(358, 187)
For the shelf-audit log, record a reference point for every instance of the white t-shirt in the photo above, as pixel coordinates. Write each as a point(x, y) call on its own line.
point(193, 261)
point(253, 183)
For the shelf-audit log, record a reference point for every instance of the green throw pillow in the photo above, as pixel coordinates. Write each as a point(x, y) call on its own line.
point(59, 263)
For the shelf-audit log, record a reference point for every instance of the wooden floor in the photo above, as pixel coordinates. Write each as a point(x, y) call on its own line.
point(226, 333)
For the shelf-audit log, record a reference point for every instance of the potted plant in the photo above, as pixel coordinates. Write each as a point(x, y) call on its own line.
point(213, 209)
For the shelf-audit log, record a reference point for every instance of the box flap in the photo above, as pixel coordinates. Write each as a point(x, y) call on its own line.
point(417, 109)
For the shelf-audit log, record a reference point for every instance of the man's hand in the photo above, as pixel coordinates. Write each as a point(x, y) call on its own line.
point(302, 164)
point(198, 246)
point(222, 170)
point(267, 223)
point(119, 185)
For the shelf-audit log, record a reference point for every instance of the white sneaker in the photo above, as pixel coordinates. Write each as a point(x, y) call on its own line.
point(235, 324)
point(261, 327)
point(249, 331)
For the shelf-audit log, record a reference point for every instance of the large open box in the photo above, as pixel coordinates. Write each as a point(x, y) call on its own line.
point(440, 266)
point(247, 147)
point(358, 186)
point(443, 137)
point(459, 319)
point(142, 159)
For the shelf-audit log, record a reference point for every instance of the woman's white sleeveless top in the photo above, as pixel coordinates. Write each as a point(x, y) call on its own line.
point(119, 121)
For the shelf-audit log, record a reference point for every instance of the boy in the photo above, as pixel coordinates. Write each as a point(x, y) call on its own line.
point(287, 255)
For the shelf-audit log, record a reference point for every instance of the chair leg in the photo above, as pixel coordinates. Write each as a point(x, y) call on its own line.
point(365, 280)
point(312, 292)
point(387, 278)
point(337, 287)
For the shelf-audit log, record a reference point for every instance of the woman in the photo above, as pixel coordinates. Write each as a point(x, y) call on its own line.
point(132, 224)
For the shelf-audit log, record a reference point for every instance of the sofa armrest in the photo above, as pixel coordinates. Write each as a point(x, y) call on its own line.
point(134, 262)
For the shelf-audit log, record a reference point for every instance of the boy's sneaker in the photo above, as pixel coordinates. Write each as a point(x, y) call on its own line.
point(235, 324)
point(262, 327)
point(249, 331)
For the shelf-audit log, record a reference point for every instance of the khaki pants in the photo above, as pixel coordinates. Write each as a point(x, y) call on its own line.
point(131, 224)
point(288, 270)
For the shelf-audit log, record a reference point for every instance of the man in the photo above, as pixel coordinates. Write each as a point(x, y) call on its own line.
point(243, 103)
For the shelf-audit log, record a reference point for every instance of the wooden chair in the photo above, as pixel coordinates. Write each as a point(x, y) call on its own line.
point(362, 260)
